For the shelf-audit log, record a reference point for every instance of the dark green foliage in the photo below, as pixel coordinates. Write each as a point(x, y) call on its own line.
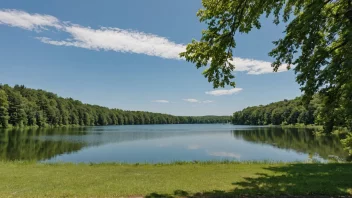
point(297, 112)
point(21, 106)
point(317, 44)
point(4, 105)
point(347, 142)
point(16, 108)
point(277, 113)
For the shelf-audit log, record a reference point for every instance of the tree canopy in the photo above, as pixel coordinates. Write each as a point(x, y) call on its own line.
point(280, 113)
point(317, 44)
point(21, 106)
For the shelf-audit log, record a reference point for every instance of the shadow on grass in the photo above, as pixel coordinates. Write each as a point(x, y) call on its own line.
point(293, 179)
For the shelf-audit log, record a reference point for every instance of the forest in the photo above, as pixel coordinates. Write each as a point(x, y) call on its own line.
point(21, 106)
point(280, 113)
point(296, 112)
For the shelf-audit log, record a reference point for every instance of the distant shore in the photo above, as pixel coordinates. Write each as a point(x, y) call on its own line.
point(80, 126)
point(178, 179)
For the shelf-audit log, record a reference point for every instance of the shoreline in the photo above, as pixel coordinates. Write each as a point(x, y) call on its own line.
point(81, 126)
point(171, 163)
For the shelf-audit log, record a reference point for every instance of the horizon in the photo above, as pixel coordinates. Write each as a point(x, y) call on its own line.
point(105, 106)
point(104, 55)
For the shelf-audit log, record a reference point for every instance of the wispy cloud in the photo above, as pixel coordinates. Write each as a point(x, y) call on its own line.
point(225, 154)
point(192, 100)
point(221, 92)
point(161, 101)
point(114, 39)
point(24, 20)
point(254, 67)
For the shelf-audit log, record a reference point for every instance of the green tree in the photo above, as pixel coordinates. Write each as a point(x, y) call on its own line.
point(30, 110)
point(276, 116)
point(317, 43)
point(41, 121)
point(16, 108)
point(4, 105)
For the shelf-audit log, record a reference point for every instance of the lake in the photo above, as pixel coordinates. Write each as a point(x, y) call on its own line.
point(167, 143)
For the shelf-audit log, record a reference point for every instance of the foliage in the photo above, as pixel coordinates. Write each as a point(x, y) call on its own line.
point(4, 105)
point(347, 142)
point(21, 106)
point(295, 112)
point(317, 44)
point(286, 112)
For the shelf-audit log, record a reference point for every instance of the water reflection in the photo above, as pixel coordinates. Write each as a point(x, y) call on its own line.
point(297, 139)
point(21, 144)
point(163, 143)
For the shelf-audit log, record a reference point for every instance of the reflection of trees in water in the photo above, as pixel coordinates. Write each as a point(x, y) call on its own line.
point(41, 144)
point(96, 136)
point(19, 144)
point(45, 143)
point(300, 140)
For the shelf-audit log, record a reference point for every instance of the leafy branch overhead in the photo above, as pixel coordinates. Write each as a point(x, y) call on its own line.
point(317, 43)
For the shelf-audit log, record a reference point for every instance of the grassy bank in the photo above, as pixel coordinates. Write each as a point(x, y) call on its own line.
point(18, 179)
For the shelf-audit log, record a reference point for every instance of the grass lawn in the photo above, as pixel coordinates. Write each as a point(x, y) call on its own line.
point(212, 179)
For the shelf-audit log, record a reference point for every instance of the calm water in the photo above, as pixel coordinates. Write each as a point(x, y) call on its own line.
point(166, 143)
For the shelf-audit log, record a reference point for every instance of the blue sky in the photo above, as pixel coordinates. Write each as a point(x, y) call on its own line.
point(123, 54)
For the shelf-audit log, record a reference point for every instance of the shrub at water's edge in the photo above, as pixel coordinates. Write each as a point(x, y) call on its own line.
point(348, 143)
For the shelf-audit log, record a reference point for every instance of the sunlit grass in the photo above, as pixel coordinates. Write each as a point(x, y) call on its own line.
point(177, 179)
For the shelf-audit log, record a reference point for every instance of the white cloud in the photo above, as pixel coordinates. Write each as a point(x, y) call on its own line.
point(221, 92)
point(225, 154)
point(191, 100)
point(18, 18)
point(161, 101)
point(254, 67)
point(114, 39)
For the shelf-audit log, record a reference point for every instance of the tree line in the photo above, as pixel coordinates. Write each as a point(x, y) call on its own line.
point(294, 111)
point(21, 106)
point(280, 113)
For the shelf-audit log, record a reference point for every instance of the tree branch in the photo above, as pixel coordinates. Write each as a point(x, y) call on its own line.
point(339, 46)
